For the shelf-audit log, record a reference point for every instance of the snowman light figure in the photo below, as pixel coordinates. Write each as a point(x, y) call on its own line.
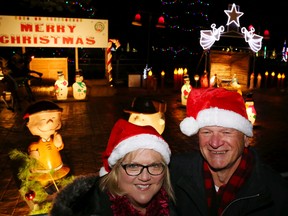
point(44, 120)
point(61, 87)
point(147, 111)
point(79, 87)
point(185, 90)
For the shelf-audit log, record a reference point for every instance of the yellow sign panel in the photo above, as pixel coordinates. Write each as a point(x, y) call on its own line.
point(26, 31)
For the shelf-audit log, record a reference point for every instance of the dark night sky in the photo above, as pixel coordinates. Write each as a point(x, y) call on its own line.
point(271, 16)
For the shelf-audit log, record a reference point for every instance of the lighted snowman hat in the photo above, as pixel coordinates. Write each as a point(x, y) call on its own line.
point(146, 105)
point(79, 72)
point(60, 73)
point(215, 107)
point(126, 137)
point(186, 77)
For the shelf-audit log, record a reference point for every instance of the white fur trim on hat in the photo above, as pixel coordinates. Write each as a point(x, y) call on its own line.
point(189, 126)
point(216, 117)
point(102, 171)
point(146, 141)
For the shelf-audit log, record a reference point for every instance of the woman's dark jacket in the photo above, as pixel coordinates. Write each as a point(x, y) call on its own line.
point(265, 192)
point(82, 197)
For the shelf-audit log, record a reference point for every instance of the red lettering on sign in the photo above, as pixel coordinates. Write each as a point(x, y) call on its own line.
point(90, 40)
point(79, 41)
point(26, 27)
point(67, 40)
point(50, 28)
point(71, 28)
point(39, 28)
point(44, 39)
point(60, 28)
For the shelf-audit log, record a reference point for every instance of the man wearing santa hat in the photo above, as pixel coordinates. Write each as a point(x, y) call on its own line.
point(134, 178)
point(226, 176)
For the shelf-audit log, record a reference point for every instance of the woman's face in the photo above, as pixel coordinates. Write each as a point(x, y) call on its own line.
point(142, 188)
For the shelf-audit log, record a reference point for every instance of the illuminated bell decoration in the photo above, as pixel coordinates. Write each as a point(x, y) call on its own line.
point(161, 22)
point(30, 195)
point(137, 20)
point(266, 34)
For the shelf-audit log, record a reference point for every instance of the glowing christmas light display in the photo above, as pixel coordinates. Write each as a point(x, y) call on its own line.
point(208, 37)
point(233, 15)
point(254, 41)
point(284, 52)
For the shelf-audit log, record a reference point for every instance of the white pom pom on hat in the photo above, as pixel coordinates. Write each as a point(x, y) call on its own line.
point(215, 107)
point(126, 137)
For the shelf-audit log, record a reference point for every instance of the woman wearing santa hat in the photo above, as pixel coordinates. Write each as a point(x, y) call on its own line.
point(226, 177)
point(134, 178)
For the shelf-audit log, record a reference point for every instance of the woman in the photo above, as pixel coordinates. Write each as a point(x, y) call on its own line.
point(134, 179)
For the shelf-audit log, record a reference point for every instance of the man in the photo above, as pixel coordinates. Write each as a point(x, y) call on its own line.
point(226, 177)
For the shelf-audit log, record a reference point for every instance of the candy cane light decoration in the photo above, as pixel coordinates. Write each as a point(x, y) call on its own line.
point(109, 57)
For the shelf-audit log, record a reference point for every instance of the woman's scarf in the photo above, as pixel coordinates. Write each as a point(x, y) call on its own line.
point(158, 206)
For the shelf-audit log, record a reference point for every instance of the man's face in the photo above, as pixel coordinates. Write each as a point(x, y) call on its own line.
point(45, 123)
point(222, 147)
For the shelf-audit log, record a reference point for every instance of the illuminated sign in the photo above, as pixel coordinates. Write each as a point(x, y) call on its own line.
point(26, 31)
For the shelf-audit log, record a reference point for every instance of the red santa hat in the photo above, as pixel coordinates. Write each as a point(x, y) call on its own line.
point(126, 137)
point(215, 107)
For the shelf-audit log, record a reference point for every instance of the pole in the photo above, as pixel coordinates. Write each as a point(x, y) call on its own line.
point(76, 59)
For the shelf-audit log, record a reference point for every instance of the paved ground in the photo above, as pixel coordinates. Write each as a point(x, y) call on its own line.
point(87, 125)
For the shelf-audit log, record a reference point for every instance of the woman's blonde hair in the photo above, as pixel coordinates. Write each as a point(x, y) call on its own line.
point(109, 182)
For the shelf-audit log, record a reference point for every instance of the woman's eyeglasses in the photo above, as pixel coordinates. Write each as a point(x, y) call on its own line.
point(136, 169)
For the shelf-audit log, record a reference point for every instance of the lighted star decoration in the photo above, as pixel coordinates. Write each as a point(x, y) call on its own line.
point(233, 15)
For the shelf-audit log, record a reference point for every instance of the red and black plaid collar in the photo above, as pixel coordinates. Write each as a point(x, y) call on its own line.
point(226, 193)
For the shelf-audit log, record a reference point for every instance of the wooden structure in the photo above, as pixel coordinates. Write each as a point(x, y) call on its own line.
point(50, 66)
point(226, 64)
point(231, 55)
